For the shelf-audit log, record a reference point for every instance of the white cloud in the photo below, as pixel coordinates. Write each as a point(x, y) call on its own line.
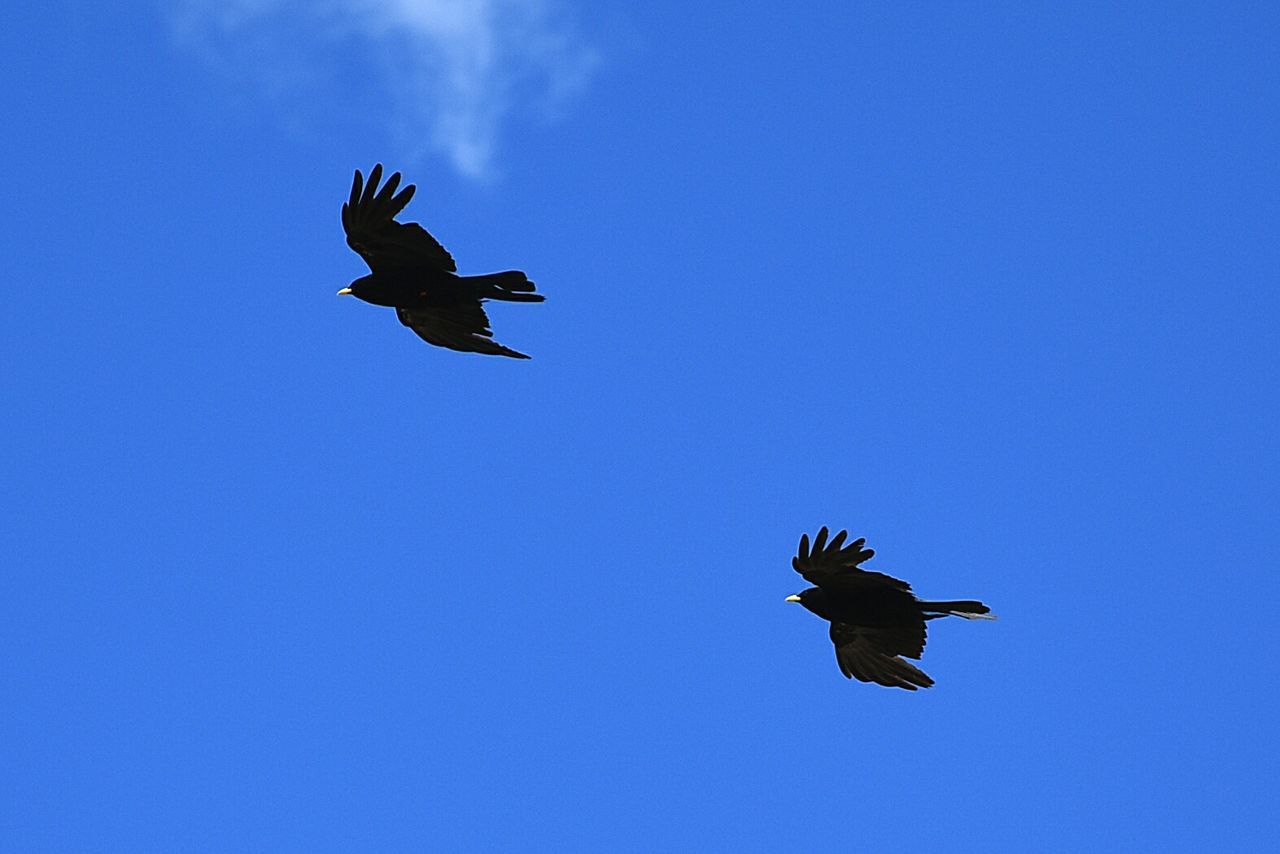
point(453, 70)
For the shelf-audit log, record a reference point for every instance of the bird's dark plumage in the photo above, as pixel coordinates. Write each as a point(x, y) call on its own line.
point(411, 272)
point(875, 619)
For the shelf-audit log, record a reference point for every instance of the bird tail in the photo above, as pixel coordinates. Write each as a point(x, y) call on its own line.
point(970, 609)
point(511, 286)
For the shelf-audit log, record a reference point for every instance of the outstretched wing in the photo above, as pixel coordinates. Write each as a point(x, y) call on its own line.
point(368, 218)
point(834, 564)
point(462, 327)
point(870, 654)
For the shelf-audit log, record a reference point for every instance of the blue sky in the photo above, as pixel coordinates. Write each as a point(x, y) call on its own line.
point(991, 285)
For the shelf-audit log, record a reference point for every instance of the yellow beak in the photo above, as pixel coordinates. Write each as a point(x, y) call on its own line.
point(344, 292)
point(792, 598)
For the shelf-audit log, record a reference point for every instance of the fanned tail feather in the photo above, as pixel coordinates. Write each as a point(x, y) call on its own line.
point(969, 609)
point(511, 286)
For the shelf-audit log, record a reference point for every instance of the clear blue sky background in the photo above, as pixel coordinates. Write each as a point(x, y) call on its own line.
point(993, 285)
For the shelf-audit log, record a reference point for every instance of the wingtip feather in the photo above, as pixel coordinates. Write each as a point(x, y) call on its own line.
point(820, 541)
point(371, 186)
point(357, 184)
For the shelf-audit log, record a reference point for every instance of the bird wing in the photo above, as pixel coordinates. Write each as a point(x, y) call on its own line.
point(368, 218)
point(462, 327)
point(870, 654)
point(834, 565)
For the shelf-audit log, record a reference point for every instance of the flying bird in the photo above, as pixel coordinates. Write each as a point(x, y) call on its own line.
point(411, 272)
point(874, 619)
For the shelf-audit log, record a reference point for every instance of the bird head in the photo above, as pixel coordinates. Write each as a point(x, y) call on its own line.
point(812, 599)
point(368, 289)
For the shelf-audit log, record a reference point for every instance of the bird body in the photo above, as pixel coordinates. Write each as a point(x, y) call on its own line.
point(874, 605)
point(406, 288)
point(875, 618)
point(411, 272)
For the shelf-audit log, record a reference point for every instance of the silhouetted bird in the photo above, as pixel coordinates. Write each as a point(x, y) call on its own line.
point(412, 273)
point(874, 618)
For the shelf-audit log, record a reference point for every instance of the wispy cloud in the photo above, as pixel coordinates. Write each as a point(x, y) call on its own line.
point(451, 71)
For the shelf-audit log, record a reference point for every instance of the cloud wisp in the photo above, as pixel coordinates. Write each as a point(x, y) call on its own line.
point(452, 71)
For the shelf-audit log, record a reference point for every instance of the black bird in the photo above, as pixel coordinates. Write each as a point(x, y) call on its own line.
point(412, 273)
point(874, 618)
